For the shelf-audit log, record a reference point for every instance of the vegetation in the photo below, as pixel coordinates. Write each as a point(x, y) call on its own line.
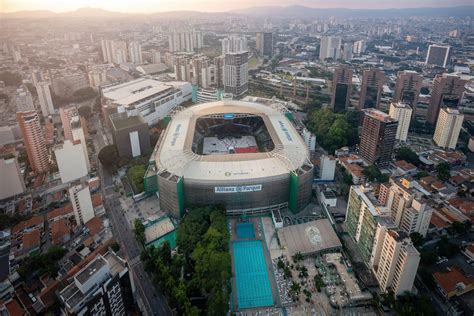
point(85, 111)
point(405, 153)
point(201, 267)
point(447, 248)
point(10, 79)
point(139, 231)
point(444, 171)
point(417, 240)
point(135, 174)
point(334, 130)
point(40, 264)
point(421, 174)
point(9, 221)
point(373, 174)
point(108, 157)
point(459, 228)
point(318, 282)
point(78, 96)
point(408, 304)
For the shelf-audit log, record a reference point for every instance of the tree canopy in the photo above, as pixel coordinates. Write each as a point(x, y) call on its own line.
point(10, 79)
point(373, 174)
point(136, 174)
point(108, 157)
point(85, 111)
point(444, 171)
point(405, 153)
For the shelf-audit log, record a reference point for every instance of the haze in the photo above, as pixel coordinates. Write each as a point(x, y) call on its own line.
point(211, 5)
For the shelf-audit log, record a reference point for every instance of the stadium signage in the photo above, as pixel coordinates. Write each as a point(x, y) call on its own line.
point(176, 134)
point(239, 189)
point(228, 116)
point(285, 130)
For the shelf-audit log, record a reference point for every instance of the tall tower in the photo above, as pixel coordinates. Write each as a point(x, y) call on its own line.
point(234, 44)
point(264, 42)
point(438, 55)
point(371, 90)
point(341, 88)
point(447, 91)
point(44, 96)
point(135, 51)
point(377, 138)
point(448, 127)
point(401, 113)
point(330, 48)
point(236, 73)
point(33, 138)
point(73, 129)
point(407, 88)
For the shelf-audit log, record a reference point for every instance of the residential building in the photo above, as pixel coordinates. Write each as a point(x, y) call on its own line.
point(34, 141)
point(341, 88)
point(24, 100)
point(402, 113)
point(201, 95)
point(407, 88)
point(447, 91)
point(203, 71)
point(44, 96)
point(359, 47)
point(438, 55)
point(130, 133)
point(377, 137)
point(96, 77)
point(114, 51)
point(183, 68)
point(236, 73)
point(12, 179)
point(234, 44)
point(185, 41)
point(399, 259)
point(73, 127)
point(330, 48)
point(371, 89)
point(71, 161)
point(80, 197)
point(327, 168)
point(155, 56)
point(135, 52)
point(346, 52)
point(448, 128)
point(219, 64)
point(453, 282)
point(264, 42)
point(310, 140)
point(103, 287)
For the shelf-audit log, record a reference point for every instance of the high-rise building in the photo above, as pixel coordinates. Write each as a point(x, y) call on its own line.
point(377, 137)
point(71, 161)
point(219, 62)
point(327, 168)
point(448, 128)
point(407, 88)
point(185, 41)
point(114, 51)
point(341, 88)
point(12, 179)
point(44, 96)
point(37, 76)
point(447, 91)
point(408, 207)
point(33, 138)
point(438, 55)
point(155, 56)
point(24, 100)
point(330, 48)
point(371, 89)
point(130, 133)
point(81, 201)
point(203, 71)
point(234, 44)
point(135, 51)
point(236, 73)
point(401, 113)
point(73, 129)
point(264, 43)
point(346, 53)
point(103, 287)
point(359, 47)
point(96, 77)
point(398, 262)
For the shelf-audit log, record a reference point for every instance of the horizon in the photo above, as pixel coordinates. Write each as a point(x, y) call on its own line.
point(213, 6)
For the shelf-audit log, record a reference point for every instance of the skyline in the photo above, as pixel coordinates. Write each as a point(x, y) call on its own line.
point(147, 6)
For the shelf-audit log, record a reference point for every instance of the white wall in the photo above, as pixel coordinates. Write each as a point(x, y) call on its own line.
point(71, 162)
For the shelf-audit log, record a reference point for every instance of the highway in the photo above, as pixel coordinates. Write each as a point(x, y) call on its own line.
point(153, 301)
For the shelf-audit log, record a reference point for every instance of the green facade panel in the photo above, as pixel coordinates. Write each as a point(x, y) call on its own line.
point(180, 191)
point(293, 198)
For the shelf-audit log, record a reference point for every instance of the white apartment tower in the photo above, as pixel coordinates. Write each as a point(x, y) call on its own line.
point(448, 127)
point(135, 51)
point(234, 44)
point(359, 47)
point(114, 51)
point(330, 48)
point(44, 96)
point(327, 167)
point(71, 161)
point(402, 113)
point(24, 100)
point(80, 197)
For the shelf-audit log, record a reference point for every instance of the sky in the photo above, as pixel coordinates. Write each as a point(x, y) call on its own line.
point(148, 6)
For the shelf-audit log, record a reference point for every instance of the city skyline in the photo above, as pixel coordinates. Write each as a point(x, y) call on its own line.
point(147, 6)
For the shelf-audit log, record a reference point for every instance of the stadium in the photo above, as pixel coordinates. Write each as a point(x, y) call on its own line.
point(243, 155)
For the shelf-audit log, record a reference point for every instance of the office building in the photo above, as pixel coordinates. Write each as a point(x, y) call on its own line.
point(264, 43)
point(447, 91)
point(152, 98)
point(103, 287)
point(130, 133)
point(12, 179)
point(81, 201)
point(327, 167)
point(407, 88)
point(448, 128)
point(23, 100)
point(97, 77)
point(185, 41)
point(359, 47)
point(71, 161)
point(399, 259)
point(34, 140)
point(402, 113)
point(73, 128)
point(44, 96)
point(234, 44)
point(236, 73)
point(438, 55)
point(408, 207)
point(330, 48)
point(377, 138)
point(371, 89)
point(135, 52)
point(341, 88)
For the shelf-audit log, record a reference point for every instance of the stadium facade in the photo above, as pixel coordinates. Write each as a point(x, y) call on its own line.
point(255, 160)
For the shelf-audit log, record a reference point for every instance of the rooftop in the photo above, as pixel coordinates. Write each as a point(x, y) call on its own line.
point(94, 266)
point(158, 229)
point(31, 239)
point(135, 90)
point(121, 121)
point(449, 281)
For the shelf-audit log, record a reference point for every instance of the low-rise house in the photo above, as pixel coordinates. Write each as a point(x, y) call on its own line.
point(453, 282)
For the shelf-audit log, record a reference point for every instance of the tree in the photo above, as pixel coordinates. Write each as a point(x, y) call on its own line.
point(136, 174)
point(165, 252)
point(10, 79)
point(139, 230)
point(421, 174)
point(405, 153)
point(85, 111)
point(295, 289)
point(373, 174)
point(444, 171)
point(424, 90)
point(280, 264)
point(108, 157)
point(417, 239)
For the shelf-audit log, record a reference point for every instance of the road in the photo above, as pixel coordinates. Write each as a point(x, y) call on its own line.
point(153, 301)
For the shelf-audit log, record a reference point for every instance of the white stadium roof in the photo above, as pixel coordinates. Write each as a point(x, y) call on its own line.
point(133, 91)
point(175, 155)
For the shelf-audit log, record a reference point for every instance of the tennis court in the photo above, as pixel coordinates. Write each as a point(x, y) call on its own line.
point(253, 284)
point(245, 230)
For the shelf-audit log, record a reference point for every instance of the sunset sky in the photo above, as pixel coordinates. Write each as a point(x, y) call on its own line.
point(211, 5)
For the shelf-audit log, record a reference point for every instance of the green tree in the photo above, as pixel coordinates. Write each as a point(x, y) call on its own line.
point(85, 111)
point(136, 174)
point(139, 230)
point(10, 79)
point(108, 157)
point(405, 153)
point(444, 171)
point(417, 239)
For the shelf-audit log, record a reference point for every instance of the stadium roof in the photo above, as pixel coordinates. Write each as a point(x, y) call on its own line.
point(133, 91)
point(175, 155)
